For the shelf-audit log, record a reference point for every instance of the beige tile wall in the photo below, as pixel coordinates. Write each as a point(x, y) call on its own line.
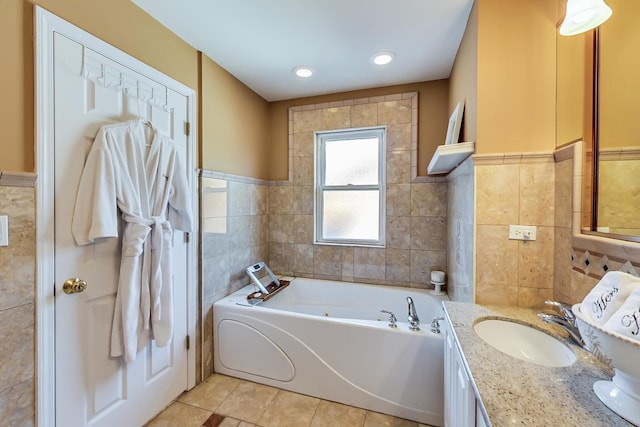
point(17, 308)
point(564, 287)
point(416, 206)
point(532, 189)
point(460, 236)
point(246, 220)
point(514, 189)
point(235, 230)
point(581, 265)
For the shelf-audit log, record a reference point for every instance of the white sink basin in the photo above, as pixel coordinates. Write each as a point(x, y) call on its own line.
point(524, 342)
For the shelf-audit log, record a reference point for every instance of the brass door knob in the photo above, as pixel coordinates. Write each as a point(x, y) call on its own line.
point(74, 286)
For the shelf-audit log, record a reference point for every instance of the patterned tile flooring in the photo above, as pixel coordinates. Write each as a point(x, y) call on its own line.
point(223, 401)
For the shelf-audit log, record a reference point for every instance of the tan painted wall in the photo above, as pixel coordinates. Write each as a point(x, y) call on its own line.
point(235, 128)
point(516, 76)
point(432, 120)
point(619, 84)
point(118, 22)
point(463, 83)
point(515, 79)
point(571, 63)
point(235, 123)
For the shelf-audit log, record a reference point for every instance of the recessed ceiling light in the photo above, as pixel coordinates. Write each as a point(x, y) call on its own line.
point(383, 58)
point(303, 71)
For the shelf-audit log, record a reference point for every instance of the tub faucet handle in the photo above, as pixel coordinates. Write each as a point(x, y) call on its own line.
point(435, 324)
point(392, 318)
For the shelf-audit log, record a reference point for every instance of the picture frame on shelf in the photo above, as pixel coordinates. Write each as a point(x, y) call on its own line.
point(455, 122)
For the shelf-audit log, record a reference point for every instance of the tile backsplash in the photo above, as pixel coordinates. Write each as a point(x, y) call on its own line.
point(460, 232)
point(514, 189)
point(17, 304)
point(416, 206)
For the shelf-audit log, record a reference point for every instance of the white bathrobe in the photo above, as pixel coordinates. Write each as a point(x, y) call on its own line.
point(137, 171)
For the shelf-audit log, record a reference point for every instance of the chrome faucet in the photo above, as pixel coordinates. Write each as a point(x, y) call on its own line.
point(566, 321)
point(392, 318)
point(414, 321)
point(435, 324)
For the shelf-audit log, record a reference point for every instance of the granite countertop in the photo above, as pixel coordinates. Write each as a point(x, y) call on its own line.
point(515, 392)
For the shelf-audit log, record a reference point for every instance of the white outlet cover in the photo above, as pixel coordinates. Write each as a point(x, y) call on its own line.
point(522, 232)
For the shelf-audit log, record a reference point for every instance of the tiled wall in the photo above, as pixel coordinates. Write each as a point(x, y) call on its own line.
point(416, 206)
point(460, 223)
point(235, 231)
point(582, 263)
point(246, 220)
point(514, 189)
point(17, 307)
point(564, 289)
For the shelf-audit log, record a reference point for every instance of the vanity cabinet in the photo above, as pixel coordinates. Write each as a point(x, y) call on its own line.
point(460, 406)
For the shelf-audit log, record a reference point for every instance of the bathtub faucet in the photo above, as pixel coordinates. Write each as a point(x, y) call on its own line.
point(414, 321)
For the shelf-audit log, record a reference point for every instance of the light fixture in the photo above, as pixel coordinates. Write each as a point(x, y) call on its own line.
point(383, 58)
point(584, 15)
point(303, 71)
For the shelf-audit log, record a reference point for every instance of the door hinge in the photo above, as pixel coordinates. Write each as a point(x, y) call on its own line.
point(188, 342)
point(187, 128)
point(187, 236)
point(54, 290)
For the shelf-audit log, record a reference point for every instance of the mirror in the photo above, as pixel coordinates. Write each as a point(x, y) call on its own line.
point(617, 143)
point(575, 73)
point(596, 86)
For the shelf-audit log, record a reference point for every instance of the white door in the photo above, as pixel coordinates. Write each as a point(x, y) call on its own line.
point(93, 389)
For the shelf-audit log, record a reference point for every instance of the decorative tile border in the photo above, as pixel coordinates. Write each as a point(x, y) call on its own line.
point(626, 153)
point(511, 158)
point(596, 265)
point(204, 173)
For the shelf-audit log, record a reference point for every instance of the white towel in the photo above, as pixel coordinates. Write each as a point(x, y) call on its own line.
point(608, 296)
point(626, 321)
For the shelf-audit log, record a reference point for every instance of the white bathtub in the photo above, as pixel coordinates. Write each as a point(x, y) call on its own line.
point(328, 339)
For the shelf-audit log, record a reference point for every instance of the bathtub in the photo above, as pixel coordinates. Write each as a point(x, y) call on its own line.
point(329, 340)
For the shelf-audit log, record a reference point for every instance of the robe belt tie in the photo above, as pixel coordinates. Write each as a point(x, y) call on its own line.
point(160, 230)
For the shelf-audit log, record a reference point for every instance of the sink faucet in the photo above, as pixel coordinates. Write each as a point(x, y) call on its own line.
point(566, 321)
point(414, 321)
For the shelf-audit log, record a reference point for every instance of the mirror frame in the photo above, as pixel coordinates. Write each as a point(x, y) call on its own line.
point(591, 228)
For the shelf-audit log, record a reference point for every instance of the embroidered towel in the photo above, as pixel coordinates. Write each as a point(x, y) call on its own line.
point(626, 320)
point(608, 296)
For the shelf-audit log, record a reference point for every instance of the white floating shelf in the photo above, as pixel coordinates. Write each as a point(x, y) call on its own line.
point(447, 157)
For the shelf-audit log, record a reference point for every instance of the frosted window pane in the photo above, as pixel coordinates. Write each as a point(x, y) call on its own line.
point(351, 161)
point(351, 215)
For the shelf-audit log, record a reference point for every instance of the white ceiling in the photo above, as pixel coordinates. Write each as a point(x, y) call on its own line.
point(260, 41)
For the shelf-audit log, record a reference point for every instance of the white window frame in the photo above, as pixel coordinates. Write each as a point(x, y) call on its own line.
point(320, 137)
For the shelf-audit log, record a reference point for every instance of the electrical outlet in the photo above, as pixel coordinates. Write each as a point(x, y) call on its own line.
point(4, 230)
point(522, 232)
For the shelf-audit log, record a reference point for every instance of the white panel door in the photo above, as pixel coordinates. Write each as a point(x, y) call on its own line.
point(92, 388)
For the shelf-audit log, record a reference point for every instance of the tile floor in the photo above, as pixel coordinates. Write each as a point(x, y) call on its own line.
point(223, 401)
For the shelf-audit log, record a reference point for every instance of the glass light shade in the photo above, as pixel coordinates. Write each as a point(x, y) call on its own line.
point(584, 15)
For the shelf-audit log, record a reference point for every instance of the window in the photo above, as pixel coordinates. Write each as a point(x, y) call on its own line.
point(350, 188)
